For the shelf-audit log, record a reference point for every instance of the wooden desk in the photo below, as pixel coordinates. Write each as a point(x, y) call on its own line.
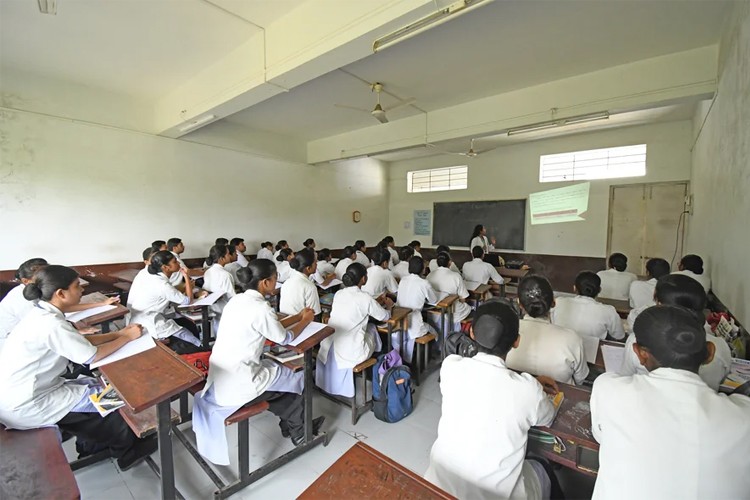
point(573, 426)
point(125, 275)
point(479, 293)
point(363, 472)
point(446, 318)
point(104, 318)
point(397, 322)
point(33, 465)
point(152, 378)
point(621, 306)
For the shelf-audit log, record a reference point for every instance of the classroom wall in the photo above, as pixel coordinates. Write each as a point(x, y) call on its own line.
point(78, 193)
point(512, 172)
point(721, 173)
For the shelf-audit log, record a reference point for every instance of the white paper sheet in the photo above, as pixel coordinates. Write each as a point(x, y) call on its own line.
point(75, 317)
point(590, 347)
point(333, 282)
point(308, 332)
point(144, 343)
point(206, 301)
point(613, 356)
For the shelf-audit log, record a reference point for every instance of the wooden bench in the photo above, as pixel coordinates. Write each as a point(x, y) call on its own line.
point(421, 355)
point(360, 375)
point(33, 465)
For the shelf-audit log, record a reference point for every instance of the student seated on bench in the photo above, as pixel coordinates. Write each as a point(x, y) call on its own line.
point(616, 280)
point(401, 269)
point(666, 434)
point(478, 272)
point(299, 292)
point(584, 315)
point(641, 293)
point(413, 292)
point(237, 374)
point(487, 412)
point(444, 280)
point(35, 358)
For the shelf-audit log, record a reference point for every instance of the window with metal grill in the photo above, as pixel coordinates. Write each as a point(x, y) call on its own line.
point(437, 179)
point(608, 163)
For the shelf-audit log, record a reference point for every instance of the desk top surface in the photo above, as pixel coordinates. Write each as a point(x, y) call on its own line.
point(125, 274)
point(481, 289)
point(512, 273)
point(118, 312)
point(622, 306)
point(363, 472)
point(397, 314)
point(150, 377)
point(573, 420)
point(314, 340)
point(447, 301)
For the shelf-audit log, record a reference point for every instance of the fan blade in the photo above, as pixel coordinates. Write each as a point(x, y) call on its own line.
point(345, 106)
point(477, 153)
point(379, 114)
point(402, 104)
point(444, 151)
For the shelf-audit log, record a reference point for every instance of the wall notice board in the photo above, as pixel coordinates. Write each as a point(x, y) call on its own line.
point(505, 220)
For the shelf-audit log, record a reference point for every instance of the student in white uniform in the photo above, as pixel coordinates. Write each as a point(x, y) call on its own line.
point(348, 254)
point(325, 271)
point(487, 411)
point(355, 339)
point(266, 251)
point(239, 244)
point(218, 279)
point(444, 280)
point(152, 299)
point(283, 268)
point(233, 265)
point(14, 305)
point(309, 243)
point(281, 245)
point(674, 436)
point(546, 349)
point(434, 264)
point(416, 245)
point(36, 356)
point(683, 291)
point(360, 255)
point(478, 272)
point(390, 245)
point(159, 245)
point(479, 239)
point(641, 293)
point(616, 280)
point(177, 247)
point(692, 265)
point(238, 374)
point(413, 292)
point(584, 315)
point(380, 279)
point(218, 241)
point(401, 269)
point(298, 292)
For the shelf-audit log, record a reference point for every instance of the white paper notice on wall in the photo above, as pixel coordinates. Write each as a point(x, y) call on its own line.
point(566, 204)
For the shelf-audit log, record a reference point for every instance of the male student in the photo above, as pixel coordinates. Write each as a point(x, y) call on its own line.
point(666, 434)
point(176, 246)
point(478, 272)
point(616, 280)
point(239, 244)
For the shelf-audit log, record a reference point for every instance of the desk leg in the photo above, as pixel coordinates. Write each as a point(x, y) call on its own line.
point(205, 327)
point(105, 327)
point(442, 333)
point(388, 342)
point(168, 490)
point(307, 395)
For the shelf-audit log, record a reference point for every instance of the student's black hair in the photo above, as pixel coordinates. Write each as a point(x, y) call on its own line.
point(656, 267)
point(302, 259)
point(158, 259)
point(221, 241)
point(416, 265)
point(415, 243)
point(48, 280)
point(147, 253)
point(443, 259)
point(477, 231)
point(619, 261)
point(27, 270)
point(354, 274)
point(255, 272)
point(359, 245)
point(172, 243)
point(588, 284)
point(231, 249)
point(236, 241)
point(266, 244)
point(324, 253)
point(348, 252)
point(681, 290)
point(157, 244)
point(308, 242)
point(216, 253)
point(692, 263)
point(673, 335)
point(388, 240)
point(442, 248)
point(495, 327)
point(405, 253)
point(281, 244)
point(477, 252)
point(536, 295)
point(381, 255)
point(284, 254)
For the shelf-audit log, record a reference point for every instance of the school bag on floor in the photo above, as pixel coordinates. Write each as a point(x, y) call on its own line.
point(391, 388)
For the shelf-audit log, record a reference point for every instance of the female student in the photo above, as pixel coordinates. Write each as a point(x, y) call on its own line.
point(434, 264)
point(14, 305)
point(692, 265)
point(479, 239)
point(583, 314)
point(683, 291)
point(217, 278)
point(401, 269)
point(35, 358)
point(380, 279)
point(444, 280)
point(309, 243)
point(478, 272)
point(390, 245)
point(487, 412)
point(281, 245)
point(546, 349)
point(266, 251)
point(641, 293)
point(417, 247)
point(298, 292)
point(413, 292)
point(325, 271)
point(616, 280)
point(282, 264)
point(347, 258)
point(361, 256)
point(355, 340)
point(238, 375)
point(152, 299)
point(678, 437)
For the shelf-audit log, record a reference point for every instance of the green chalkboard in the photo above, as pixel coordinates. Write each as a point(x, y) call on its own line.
point(505, 220)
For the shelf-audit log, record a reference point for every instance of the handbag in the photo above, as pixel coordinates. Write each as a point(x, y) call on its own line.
point(198, 360)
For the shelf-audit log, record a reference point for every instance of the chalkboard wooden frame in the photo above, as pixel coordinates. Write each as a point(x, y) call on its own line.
point(505, 220)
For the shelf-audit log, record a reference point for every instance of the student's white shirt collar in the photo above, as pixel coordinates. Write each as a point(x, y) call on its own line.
point(295, 273)
point(490, 359)
point(43, 304)
point(537, 320)
point(584, 297)
point(676, 374)
point(254, 295)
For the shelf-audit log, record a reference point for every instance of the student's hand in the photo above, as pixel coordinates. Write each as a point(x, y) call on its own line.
point(492, 241)
point(184, 273)
point(307, 315)
point(133, 331)
point(110, 301)
point(525, 267)
point(88, 330)
point(548, 384)
point(201, 294)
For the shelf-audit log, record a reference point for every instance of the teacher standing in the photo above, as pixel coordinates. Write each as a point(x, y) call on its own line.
point(479, 239)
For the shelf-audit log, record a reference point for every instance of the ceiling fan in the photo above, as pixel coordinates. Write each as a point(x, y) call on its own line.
point(471, 153)
point(378, 112)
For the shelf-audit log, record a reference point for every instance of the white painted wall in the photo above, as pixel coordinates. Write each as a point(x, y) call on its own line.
point(512, 172)
point(721, 173)
point(78, 193)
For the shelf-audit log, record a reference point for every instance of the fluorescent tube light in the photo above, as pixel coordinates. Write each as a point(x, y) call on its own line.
point(562, 122)
point(429, 21)
point(48, 6)
point(197, 123)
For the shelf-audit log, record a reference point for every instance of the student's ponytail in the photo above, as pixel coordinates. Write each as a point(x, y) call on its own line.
point(255, 272)
point(48, 280)
point(28, 269)
point(159, 259)
point(32, 292)
point(354, 274)
point(348, 252)
point(303, 259)
point(536, 295)
point(281, 244)
point(284, 255)
point(216, 253)
point(588, 284)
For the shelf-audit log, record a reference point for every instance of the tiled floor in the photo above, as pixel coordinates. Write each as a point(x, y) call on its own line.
point(407, 442)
